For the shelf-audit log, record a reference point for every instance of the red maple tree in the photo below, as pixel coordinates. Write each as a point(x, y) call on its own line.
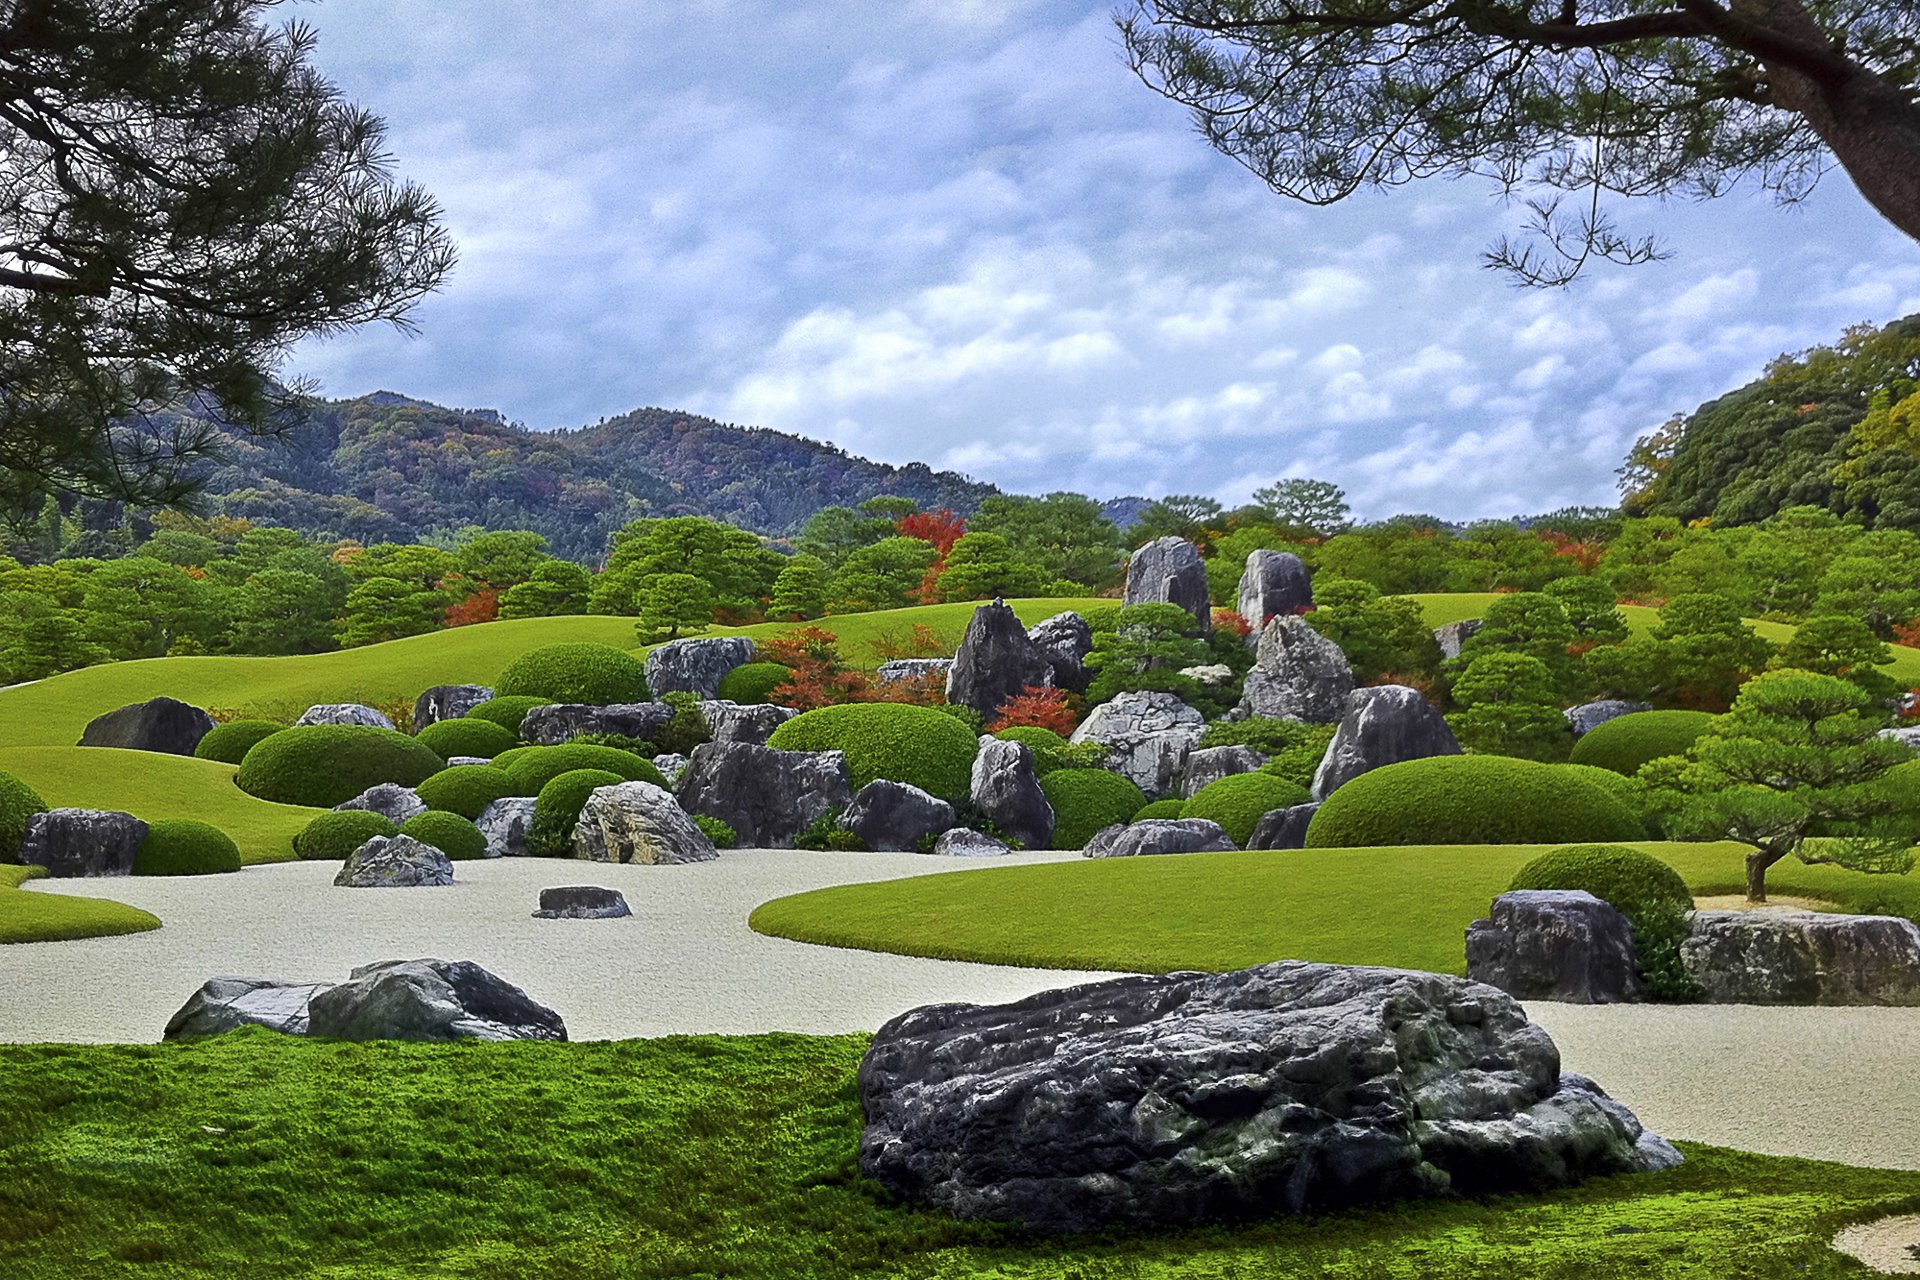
point(1039, 707)
point(481, 606)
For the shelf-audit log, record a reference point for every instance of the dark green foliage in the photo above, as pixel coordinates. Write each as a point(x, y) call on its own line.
point(450, 833)
point(467, 789)
point(1470, 800)
point(507, 712)
point(825, 833)
point(1630, 791)
point(1294, 748)
point(1145, 646)
point(1592, 608)
point(975, 722)
point(185, 847)
point(1380, 635)
point(1237, 802)
point(1525, 622)
point(229, 743)
point(18, 802)
point(688, 728)
point(1648, 892)
point(753, 683)
point(1510, 708)
point(326, 765)
point(644, 747)
point(1051, 751)
point(557, 809)
point(722, 835)
point(1085, 800)
point(532, 768)
point(1626, 742)
point(596, 674)
point(1160, 809)
point(916, 745)
point(1839, 645)
point(467, 736)
point(332, 836)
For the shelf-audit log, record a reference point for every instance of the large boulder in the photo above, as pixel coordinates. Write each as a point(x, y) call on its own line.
point(1588, 716)
point(1148, 737)
point(447, 702)
point(344, 713)
point(1066, 639)
point(638, 822)
point(1451, 636)
point(582, 902)
point(1185, 1098)
point(894, 817)
point(1383, 725)
point(1298, 674)
point(1555, 944)
point(75, 843)
point(395, 862)
point(165, 725)
point(766, 795)
point(895, 670)
point(505, 823)
point(1006, 791)
point(1274, 583)
point(696, 666)
point(1283, 828)
point(430, 1000)
point(395, 803)
point(997, 661)
point(560, 722)
point(753, 722)
point(224, 1004)
point(1210, 764)
point(1151, 836)
point(965, 842)
point(1803, 957)
point(1170, 571)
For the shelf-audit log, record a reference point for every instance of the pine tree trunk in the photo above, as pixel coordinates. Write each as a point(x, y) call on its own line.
point(1757, 864)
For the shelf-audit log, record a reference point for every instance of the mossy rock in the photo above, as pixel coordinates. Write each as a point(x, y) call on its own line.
point(330, 837)
point(185, 847)
point(920, 746)
point(322, 765)
point(467, 736)
point(1471, 800)
point(1624, 743)
point(580, 671)
point(1085, 800)
point(18, 802)
point(753, 682)
point(507, 712)
point(532, 768)
point(1238, 801)
point(467, 789)
point(229, 743)
point(450, 833)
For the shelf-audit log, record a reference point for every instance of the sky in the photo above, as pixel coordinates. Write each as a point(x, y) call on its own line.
point(962, 232)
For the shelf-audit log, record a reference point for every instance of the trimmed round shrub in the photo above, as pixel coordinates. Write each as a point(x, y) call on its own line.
point(332, 836)
point(1470, 800)
point(722, 834)
point(1628, 789)
point(1160, 809)
point(229, 743)
point(1236, 802)
point(323, 765)
point(1648, 892)
point(532, 768)
point(185, 847)
point(467, 789)
point(18, 802)
point(1624, 743)
point(506, 712)
point(557, 808)
point(577, 672)
point(450, 833)
point(467, 737)
point(753, 682)
point(1085, 800)
point(895, 740)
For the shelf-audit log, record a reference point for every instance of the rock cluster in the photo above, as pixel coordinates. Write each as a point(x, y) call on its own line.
point(159, 724)
point(433, 1000)
point(997, 661)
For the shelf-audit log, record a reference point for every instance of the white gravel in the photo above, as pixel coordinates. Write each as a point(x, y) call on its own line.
point(1832, 1084)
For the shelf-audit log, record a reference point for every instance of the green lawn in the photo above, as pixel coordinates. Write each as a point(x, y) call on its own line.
point(1406, 907)
point(56, 917)
point(260, 1156)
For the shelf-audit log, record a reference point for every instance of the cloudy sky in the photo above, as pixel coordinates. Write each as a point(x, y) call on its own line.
point(961, 231)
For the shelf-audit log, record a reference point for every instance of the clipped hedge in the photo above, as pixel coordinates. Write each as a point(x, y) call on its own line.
point(1237, 802)
point(1470, 800)
point(18, 802)
point(580, 671)
point(1085, 800)
point(895, 740)
point(506, 712)
point(322, 765)
point(229, 743)
point(557, 808)
point(532, 768)
point(185, 847)
point(332, 836)
point(467, 736)
point(1624, 743)
point(753, 682)
point(1051, 751)
point(450, 833)
point(467, 789)
point(1160, 809)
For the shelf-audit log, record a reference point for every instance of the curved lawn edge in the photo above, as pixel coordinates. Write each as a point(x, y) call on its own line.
point(26, 916)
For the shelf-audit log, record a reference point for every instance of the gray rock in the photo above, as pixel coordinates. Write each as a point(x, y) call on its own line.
point(1211, 764)
point(1152, 836)
point(395, 862)
point(997, 661)
point(582, 902)
point(696, 666)
point(564, 721)
point(897, 669)
point(505, 823)
point(965, 842)
point(452, 761)
point(671, 765)
point(1588, 716)
point(893, 817)
point(1006, 791)
point(1803, 957)
point(1283, 828)
point(77, 843)
point(1148, 736)
point(1066, 639)
point(1185, 1098)
point(753, 722)
point(1383, 725)
point(766, 795)
point(1274, 583)
point(638, 822)
point(1170, 571)
point(225, 1004)
point(1298, 674)
point(447, 702)
point(430, 1000)
point(344, 713)
point(395, 803)
point(159, 724)
point(1908, 734)
point(1555, 944)
point(1452, 635)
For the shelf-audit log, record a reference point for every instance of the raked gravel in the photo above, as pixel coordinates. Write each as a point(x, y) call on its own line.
point(1826, 1083)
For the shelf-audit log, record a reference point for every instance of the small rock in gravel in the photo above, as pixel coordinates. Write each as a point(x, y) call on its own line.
point(581, 902)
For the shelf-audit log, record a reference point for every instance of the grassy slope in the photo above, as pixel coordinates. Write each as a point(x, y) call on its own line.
point(1407, 907)
point(53, 917)
point(267, 1157)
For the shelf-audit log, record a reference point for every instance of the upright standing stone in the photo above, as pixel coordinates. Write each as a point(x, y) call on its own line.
point(164, 725)
point(997, 661)
point(1170, 571)
point(1273, 583)
point(696, 666)
point(1451, 636)
point(1383, 725)
point(1066, 639)
point(447, 702)
point(1007, 791)
point(1298, 674)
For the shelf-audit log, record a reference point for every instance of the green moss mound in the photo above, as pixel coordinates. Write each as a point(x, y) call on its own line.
point(1626, 742)
point(18, 802)
point(916, 745)
point(578, 672)
point(450, 833)
point(1085, 800)
point(322, 765)
point(467, 736)
point(229, 743)
point(506, 712)
point(1237, 802)
point(1470, 800)
point(60, 917)
point(753, 682)
point(467, 789)
point(1633, 881)
point(1160, 809)
point(556, 809)
point(332, 836)
point(532, 768)
point(185, 847)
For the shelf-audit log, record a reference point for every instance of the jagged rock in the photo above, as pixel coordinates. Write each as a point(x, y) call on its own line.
point(164, 725)
point(1066, 639)
point(1588, 716)
point(671, 765)
point(1210, 764)
point(1186, 1098)
point(1152, 836)
point(1298, 674)
point(344, 713)
point(898, 669)
point(997, 661)
point(1273, 583)
point(1383, 725)
point(447, 702)
point(1451, 636)
point(766, 795)
point(893, 817)
point(550, 726)
point(430, 1000)
point(395, 862)
point(696, 666)
point(224, 1004)
point(582, 902)
point(1803, 957)
point(1283, 828)
point(76, 843)
point(1909, 735)
point(1006, 791)
point(1555, 944)
point(1148, 736)
point(395, 803)
point(1170, 571)
point(753, 722)
point(965, 842)
point(638, 822)
point(505, 823)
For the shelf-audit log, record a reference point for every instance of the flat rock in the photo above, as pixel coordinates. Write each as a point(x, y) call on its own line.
point(1005, 790)
point(80, 843)
point(1555, 944)
point(1152, 836)
point(224, 1004)
point(965, 842)
point(395, 862)
point(550, 726)
point(752, 722)
point(638, 822)
point(1382, 725)
point(766, 795)
point(1148, 736)
point(430, 1000)
point(1066, 639)
point(1803, 958)
point(395, 803)
point(1298, 674)
point(1273, 583)
point(895, 670)
point(165, 725)
point(505, 823)
point(1588, 716)
point(582, 902)
point(344, 713)
point(696, 666)
point(997, 661)
point(1210, 764)
point(447, 702)
point(1283, 828)
point(1170, 571)
point(893, 817)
